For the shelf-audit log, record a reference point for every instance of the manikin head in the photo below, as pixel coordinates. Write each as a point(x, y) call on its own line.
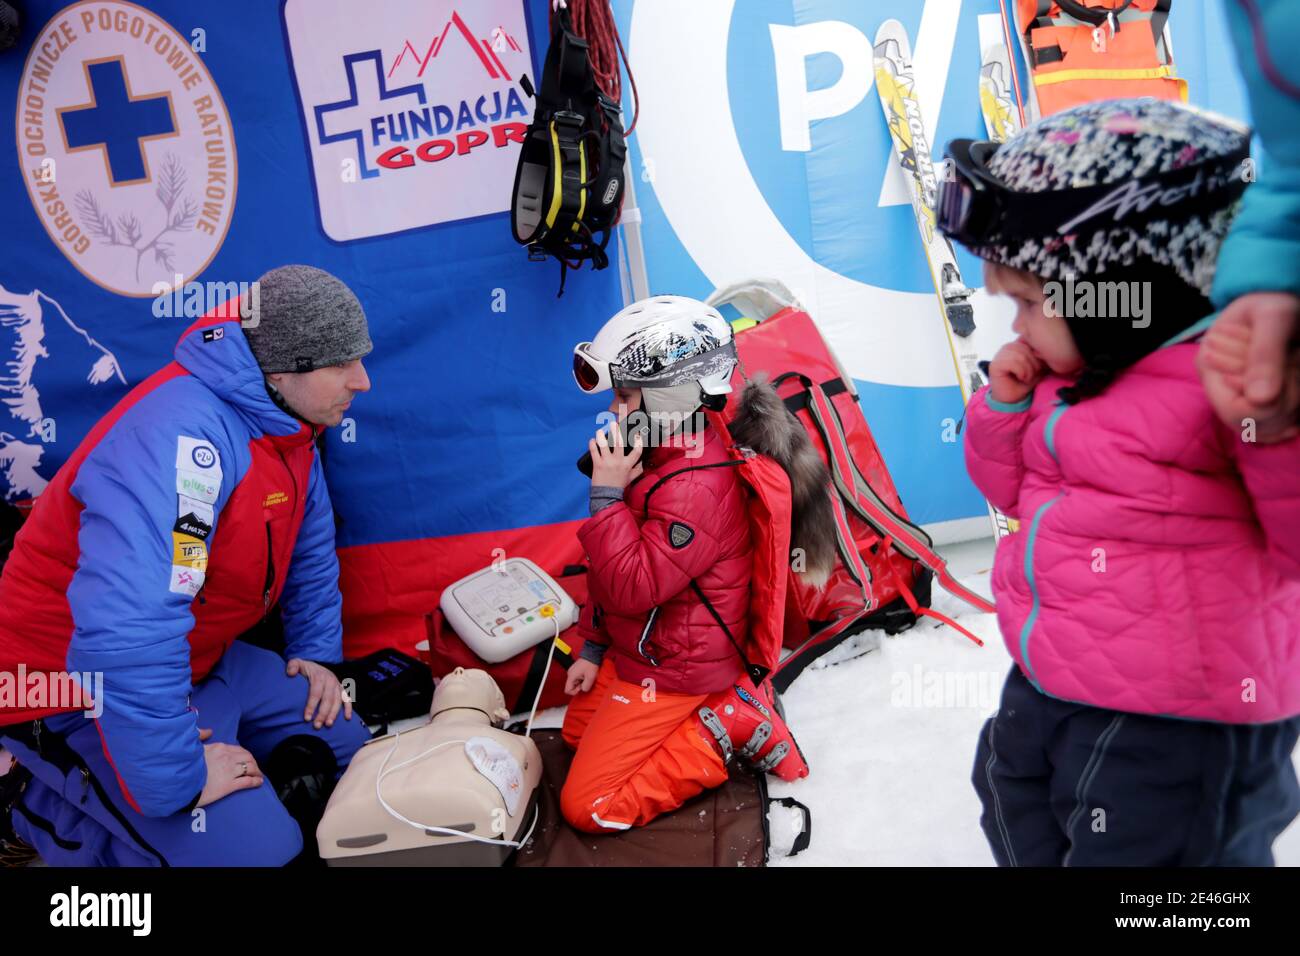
point(469, 695)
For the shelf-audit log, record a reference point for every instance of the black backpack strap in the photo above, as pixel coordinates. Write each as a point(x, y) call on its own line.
point(1094, 15)
point(536, 674)
point(645, 508)
point(757, 673)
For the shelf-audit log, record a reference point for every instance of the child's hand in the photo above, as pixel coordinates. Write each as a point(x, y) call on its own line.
point(1014, 372)
point(1251, 369)
point(582, 674)
point(609, 466)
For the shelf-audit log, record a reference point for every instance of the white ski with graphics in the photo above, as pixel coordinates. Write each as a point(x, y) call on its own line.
point(896, 86)
point(1001, 118)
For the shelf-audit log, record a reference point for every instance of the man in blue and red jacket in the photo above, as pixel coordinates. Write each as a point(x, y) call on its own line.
point(189, 511)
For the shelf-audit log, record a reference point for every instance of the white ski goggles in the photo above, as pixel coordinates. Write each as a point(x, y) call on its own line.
point(594, 375)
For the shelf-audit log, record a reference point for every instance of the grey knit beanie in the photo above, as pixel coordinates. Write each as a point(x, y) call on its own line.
point(306, 319)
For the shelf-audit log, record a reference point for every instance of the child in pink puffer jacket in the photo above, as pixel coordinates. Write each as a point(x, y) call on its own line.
point(1151, 599)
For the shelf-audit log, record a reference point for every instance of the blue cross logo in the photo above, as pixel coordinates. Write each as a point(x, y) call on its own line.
point(349, 106)
point(117, 122)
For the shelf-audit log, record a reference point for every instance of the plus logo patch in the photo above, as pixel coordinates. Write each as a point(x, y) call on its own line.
point(413, 118)
point(126, 147)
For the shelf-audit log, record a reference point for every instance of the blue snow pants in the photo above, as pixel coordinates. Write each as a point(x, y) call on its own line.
point(1066, 784)
point(76, 817)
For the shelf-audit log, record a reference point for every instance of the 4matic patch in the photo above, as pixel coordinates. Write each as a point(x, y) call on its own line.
point(193, 517)
point(680, 535)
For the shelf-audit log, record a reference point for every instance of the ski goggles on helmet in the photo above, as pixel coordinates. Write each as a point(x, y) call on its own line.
point(975, 208)
point(595, 375)
point(591, 373)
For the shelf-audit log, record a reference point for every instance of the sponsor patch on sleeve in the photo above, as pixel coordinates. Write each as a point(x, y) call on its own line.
point(193, 517)
point(198, 455)
point(680, 535)
point(186, 581)
point(202, 487)
point(189, 552)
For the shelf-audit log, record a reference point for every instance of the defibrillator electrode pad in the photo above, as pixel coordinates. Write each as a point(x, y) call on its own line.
point(503, 610)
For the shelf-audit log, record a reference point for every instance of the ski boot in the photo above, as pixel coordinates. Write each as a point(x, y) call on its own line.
point(744, 721)
point(14, 850)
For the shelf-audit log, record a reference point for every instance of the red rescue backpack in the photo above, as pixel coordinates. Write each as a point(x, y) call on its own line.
point(887, 563)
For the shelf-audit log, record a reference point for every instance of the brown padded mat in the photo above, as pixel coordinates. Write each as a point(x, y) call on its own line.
point(721, 827)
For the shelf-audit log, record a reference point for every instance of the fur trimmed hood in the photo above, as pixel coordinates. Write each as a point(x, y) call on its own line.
point(764, 424)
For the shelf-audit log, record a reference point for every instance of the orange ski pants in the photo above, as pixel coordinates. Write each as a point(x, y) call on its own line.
point(639, 754)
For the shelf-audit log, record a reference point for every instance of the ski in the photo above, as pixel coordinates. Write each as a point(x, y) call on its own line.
point(997, 82)
point(896, 87)
point(1001, 118)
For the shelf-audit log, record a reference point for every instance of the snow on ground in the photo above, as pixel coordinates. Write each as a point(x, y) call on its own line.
point(890, 741)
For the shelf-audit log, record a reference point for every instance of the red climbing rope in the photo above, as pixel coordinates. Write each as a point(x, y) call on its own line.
point(593, 20)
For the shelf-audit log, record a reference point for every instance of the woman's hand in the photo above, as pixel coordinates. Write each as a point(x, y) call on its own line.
point(230, 768)
point(1014, 372)
point(324, 694)
point(1250, 365)
point(582, 675)
point(609, 466)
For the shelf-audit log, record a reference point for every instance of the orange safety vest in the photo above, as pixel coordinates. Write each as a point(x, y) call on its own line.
point(1081, 51)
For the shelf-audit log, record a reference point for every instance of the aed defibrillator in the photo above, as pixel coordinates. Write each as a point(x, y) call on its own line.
point(504, 610)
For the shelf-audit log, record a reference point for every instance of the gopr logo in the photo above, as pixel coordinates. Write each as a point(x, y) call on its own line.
point(126, 147)
point(413, 118)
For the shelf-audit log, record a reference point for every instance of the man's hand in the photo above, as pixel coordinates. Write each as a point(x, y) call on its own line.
point(609, 466)
point(582, 675)
point(1250, 365)
point(230, 768)
point(324, 695)
point(1014, 372)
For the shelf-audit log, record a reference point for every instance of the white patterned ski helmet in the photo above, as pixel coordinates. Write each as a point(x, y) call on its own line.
point(678, 351)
